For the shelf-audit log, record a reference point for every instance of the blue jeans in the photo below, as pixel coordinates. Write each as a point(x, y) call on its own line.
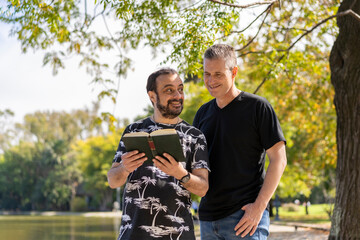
point(223, 229)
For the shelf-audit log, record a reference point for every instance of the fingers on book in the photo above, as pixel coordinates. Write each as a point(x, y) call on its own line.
point(155, 143)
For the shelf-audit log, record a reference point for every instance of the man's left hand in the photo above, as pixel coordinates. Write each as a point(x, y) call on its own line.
point(250, 221)
point(170, 166)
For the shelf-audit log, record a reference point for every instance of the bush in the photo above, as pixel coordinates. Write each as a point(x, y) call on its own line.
point(78, 204)
point(290, 207)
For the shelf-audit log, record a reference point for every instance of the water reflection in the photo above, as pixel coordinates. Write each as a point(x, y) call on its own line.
point(58, 227)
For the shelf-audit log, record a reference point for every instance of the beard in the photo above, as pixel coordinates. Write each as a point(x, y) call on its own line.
point(166, 111)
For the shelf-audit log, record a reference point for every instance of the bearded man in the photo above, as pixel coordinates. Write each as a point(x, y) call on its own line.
point(156, 201)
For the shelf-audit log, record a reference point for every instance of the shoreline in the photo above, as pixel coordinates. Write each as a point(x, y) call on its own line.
point(60, 213)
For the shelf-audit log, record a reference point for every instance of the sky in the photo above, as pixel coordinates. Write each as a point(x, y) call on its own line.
point(27, 86)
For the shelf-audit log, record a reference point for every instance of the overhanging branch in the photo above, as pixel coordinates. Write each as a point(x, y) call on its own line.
point(350, 12)
point(244, 6)
point(262, 23)
point(248, 26)
point(121, 56)
point(341, 14)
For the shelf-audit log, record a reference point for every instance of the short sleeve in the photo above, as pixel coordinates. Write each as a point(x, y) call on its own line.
point(196, 120)
point(269, 126)
point(121, 148)
point(200, 155)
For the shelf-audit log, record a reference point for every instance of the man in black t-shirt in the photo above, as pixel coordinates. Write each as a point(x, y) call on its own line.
point(240, 129)
point(156, 202)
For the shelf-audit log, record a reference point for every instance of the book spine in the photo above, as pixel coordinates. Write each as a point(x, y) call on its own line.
point(152, 146)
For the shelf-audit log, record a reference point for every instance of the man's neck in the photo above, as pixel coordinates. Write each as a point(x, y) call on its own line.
point(228, 97)
point(158, 118)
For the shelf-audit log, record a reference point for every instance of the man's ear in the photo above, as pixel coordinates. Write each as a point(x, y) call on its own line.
point(234, 71)
point(152, 96)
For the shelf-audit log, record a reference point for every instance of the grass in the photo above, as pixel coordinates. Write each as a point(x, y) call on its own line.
point(317, 213)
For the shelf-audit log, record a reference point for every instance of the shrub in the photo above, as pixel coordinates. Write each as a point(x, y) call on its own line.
point(78, 204)
point(290, 207)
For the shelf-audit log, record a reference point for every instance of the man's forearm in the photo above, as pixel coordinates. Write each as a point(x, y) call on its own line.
point(197, 185)
point(117, 175)
point(271, 182)
point(273, 175)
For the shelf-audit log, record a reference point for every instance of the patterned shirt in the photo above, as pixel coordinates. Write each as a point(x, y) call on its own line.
point(156, 205)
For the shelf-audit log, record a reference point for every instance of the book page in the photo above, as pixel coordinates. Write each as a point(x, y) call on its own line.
point(163, 132)
point(136, 134)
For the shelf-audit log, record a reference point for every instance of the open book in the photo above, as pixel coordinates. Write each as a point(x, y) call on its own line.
point(156, 143)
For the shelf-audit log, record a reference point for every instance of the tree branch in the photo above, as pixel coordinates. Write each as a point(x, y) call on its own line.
point(261, 52)
point(287, 28)
point(86, 17)
point(350, 12)
point(353, 4)
point(262, 24)
point(268, 74)
point(244, 6)
point(185, 8)
point(88, 21)
point(243, 30)
point(347, 12)
point(121, 56)
point(110, 34)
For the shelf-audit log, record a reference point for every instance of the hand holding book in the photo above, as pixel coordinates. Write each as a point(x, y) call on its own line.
point(170, 166)
point(132, 160)
point(156, 143)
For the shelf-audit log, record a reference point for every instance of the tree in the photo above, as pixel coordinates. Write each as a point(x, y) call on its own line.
point(6, 133)
point(17, 178)
point(38, 172)
point(54, 127)
point(35, 177)
point(93, 157)
point(345, 76)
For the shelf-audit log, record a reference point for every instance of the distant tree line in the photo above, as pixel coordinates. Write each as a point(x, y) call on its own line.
point(56, 161)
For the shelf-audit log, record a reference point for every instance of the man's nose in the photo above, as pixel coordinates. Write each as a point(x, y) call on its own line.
point(209, 78)
point(178, 93)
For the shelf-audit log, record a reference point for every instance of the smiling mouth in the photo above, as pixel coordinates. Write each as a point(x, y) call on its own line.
point(176, 104)
point(214, 86)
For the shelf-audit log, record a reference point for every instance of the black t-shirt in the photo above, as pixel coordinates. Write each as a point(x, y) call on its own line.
point(237, 137)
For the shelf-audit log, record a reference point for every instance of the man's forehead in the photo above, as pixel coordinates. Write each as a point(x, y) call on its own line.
point(214, 64)
point(169, 80)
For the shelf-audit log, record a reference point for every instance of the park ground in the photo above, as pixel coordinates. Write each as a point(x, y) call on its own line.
point(293, 223)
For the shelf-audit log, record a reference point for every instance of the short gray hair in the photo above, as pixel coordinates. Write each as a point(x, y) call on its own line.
point(222, 51)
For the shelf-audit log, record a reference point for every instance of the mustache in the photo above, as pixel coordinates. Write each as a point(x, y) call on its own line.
point(176, 100)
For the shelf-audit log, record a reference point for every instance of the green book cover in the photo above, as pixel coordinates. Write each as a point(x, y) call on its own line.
point(156, 143)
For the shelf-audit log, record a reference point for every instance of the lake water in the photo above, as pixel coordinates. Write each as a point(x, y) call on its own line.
point(58, 228)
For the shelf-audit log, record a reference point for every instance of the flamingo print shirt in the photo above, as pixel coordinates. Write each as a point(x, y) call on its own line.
point(156, 205)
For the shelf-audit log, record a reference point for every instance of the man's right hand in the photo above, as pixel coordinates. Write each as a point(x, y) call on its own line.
point(132, 160)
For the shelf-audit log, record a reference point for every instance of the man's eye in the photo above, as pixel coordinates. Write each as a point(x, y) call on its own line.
point(169, 90)
point(181, 90)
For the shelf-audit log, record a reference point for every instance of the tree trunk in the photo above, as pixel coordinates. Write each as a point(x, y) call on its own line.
point(345, 76)
point(107, 200)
